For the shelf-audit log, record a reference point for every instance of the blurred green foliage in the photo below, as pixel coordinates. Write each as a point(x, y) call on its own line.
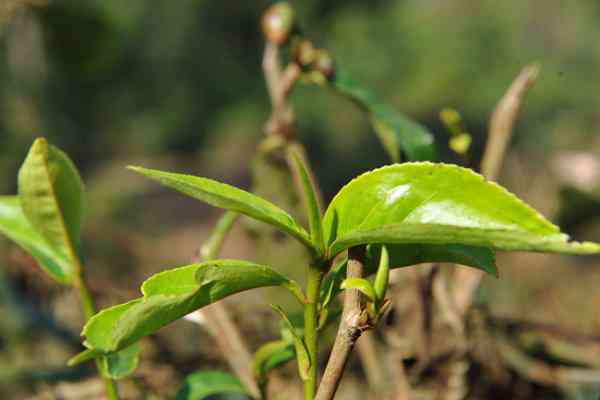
point(106, 80)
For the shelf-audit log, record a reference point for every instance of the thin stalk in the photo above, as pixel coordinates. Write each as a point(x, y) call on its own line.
point(89, 309)
point(315, 275)
point(219, 323)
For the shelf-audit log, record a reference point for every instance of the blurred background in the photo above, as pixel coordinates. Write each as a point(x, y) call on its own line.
point(179, 86)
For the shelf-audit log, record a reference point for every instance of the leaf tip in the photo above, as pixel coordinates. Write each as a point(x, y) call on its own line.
point(135, 168)
point(82, 357)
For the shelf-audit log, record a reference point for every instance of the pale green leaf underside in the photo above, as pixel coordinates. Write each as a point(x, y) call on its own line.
point(201, 385)
point(426, 203)
point(231, 198)
point(51, 193)
point(402, 255)
point(16, 227)
point(171, 295)
point(120, 364)
point(270, 356)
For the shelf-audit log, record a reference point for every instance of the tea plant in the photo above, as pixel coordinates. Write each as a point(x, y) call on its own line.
point(394, 216)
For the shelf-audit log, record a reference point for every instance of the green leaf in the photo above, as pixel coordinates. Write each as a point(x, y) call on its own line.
point(51, 193)
point(402, 255)
point(311, 202)
point(115, 365)
point(16, 227)
point(120, 364)
point(425, 203)
point(361, 284)
point(171, 295)
point(231, 198)
point(86, 355)
point(394, 130)
point(383, 275)
point(330, 287)
point(201, 385)
point(304, 360)
point(271, 355)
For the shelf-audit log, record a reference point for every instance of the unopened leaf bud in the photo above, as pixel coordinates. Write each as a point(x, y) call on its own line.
point(305, 53)
point(278, 23)
point(324, 63)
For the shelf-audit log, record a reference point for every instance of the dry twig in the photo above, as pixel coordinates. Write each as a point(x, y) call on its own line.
point(500, 131)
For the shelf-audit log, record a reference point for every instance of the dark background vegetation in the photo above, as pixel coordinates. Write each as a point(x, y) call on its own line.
point(178, 85)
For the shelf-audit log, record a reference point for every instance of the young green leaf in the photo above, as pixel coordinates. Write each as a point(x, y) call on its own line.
point(231, 198)
point(402, 255)
point(51, 193)
point(425, 203)
point(304, 360)
point(383, 275)
point(269, 356)
point(205, 384)
point(120, 364)
point(85, 355)
point(310, 200)
point(171, 295)
point(361, 284)
point(330, 287)
point(395, 131)
point(16, 227)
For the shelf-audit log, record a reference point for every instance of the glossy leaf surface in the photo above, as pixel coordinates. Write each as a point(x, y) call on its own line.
point(201, 385)
point(425, 203)
point(231, 198)
point(395, 130)
point(171, 295)
point(16, 227)
point(51, 193)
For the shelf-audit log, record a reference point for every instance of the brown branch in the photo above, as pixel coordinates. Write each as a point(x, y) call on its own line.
point(500, 131)
point(279, 85)
point(353, 323)
point(503, 120)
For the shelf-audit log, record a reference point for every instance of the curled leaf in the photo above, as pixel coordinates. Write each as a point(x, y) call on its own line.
point(16, 227)
point(361, 284)
point(51, 194)
point(171, 295)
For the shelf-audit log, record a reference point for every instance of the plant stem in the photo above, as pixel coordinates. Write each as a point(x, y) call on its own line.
point(89, 309)
point(313, 286)
point(350, 329)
